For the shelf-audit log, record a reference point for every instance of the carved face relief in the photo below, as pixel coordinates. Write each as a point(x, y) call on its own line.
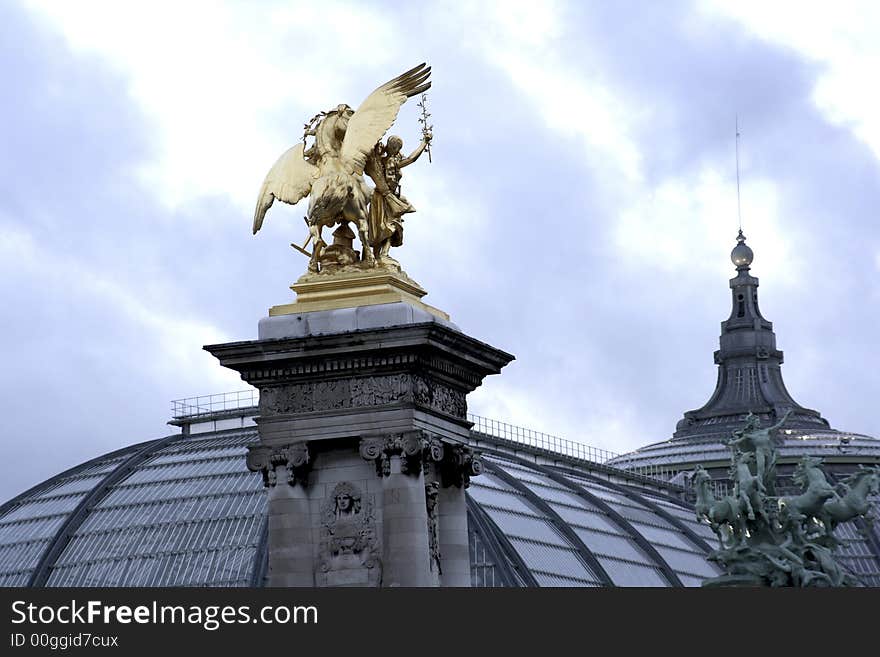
point(344, 504)
point(348, 537)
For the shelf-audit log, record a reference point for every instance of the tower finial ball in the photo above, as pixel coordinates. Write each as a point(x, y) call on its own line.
point(742, 255)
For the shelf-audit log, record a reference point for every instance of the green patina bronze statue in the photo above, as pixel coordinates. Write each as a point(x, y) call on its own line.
point(765, 540)
point(755, 440)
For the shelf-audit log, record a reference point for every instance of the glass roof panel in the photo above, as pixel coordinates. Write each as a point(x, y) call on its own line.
point(73, 485)
point(687, 562)
point(657, 535)
point(601, 492)
point(523, 474)
point(593, 519)
point(848, 530)
point(185, 488)
point(162, 560)
point(518, 471)
point(688, 517)
point(185, 523)
point(641, 515)
point(21, 556)
point(516, 524)
point(854, 548)
point(52, 506)
point(217, 506)
point(14, 579)
point(611, 545)
point(168, 537)
point(99, 468)
point(503, 499)
point(199, 468)
point(555, 581)
point(552, 559)
point(30, 530)
point(185, 456)
point(703, 530)
point(674, 509)
point(554, 494)
point(489, 479)
point(689, 580)
point(625, 573)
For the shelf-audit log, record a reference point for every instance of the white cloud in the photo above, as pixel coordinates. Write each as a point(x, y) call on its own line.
point(171, 343)
point(449, 226)
point(842, 36)
point(668, 227)
point(572, 98)
point(216, 79)
point(607, 424)
point(660, 226)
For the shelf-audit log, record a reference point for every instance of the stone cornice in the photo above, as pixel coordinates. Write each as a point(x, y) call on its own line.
point(448, 353)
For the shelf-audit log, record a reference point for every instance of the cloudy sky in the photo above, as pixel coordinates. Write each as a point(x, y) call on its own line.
point(579, 211)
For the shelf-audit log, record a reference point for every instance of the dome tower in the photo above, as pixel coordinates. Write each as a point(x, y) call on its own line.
point(749, 366)
point(749, 381)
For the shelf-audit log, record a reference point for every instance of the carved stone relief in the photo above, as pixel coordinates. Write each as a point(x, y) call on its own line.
point(439, 397)
point(432, 493)
point(335, 394)
point(349, 552)
point(378, 390)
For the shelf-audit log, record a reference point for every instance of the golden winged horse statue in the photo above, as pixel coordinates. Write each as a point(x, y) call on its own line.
point(331, 172)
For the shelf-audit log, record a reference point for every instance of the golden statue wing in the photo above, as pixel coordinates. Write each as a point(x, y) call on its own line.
point(378, 112)
point(289, 180)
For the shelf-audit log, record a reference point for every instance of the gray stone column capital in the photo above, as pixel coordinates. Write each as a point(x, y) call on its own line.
point(459, 464)
point(418, 450)
point(294, 457)
point(434, 450)
point(414, 448)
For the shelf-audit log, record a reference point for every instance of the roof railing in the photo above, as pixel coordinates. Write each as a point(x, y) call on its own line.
point(192, 408)
point(539, 439)
point(571, 448)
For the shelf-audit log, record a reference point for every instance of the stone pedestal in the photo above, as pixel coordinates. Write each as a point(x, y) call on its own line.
point(363, 443)
point(352, 287)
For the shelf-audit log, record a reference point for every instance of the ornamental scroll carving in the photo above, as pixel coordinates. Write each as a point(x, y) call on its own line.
point(409, 446)
point(349, 553)
point(295, 459)
point(456, 464)
point(459, 464)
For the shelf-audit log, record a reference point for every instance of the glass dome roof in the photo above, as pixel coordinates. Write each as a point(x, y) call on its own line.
point(185, 511)
point(182, 511)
